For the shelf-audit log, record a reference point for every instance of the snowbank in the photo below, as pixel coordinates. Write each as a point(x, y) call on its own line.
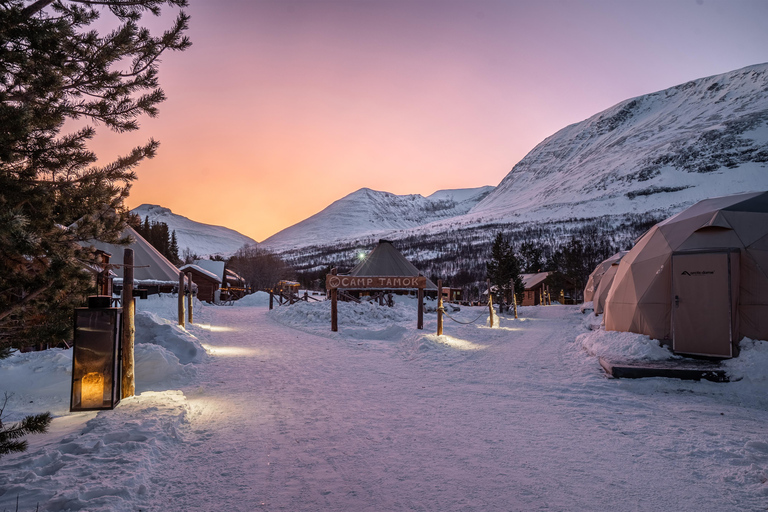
point(151, 328)
point(317, 315)
point(623, 345)
point(254, 299)
point(751, 366)
point(78, 472)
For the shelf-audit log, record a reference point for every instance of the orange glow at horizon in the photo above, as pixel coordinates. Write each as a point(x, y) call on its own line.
point(281, 108)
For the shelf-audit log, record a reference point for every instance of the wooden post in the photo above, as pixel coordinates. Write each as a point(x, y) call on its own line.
point(181, 299)
point(490, 301)
point(514, 302)
point(190, 299)
point(271, 299)
point(128, 383)
point(334, 306)
point(420, 317)
point(439, 307)
point(562, 297)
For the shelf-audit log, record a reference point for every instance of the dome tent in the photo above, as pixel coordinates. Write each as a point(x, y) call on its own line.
point(601, 293)
point(597, 275)
point(698, 279)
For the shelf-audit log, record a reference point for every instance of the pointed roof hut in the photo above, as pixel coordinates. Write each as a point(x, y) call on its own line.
point(385, 260)
point(160, 271)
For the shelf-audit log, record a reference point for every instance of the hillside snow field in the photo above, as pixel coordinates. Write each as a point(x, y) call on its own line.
point(280, 413)
point(367, 212)
point(656, 153)
point(202, 239)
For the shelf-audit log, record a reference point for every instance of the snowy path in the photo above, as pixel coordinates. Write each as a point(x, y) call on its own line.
point(286, 420)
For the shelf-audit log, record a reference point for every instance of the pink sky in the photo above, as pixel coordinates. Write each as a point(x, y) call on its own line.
point(282, 107)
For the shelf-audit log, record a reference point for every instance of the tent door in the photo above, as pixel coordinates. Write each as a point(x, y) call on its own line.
point(702, 306)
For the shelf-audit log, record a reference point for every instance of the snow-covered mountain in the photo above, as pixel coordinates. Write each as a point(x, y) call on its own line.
point(367, 212)
point(656, 153)
point(201, 239)
point(662, 151)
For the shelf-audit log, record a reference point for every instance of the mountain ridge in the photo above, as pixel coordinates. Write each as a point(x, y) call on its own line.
point(656, 153)
point(198, 238)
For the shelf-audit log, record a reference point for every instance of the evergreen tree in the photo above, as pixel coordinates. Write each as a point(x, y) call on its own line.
point(503, 269)
point(532, 257)
point(173, 252)
point(10, 435)
point(55, 67)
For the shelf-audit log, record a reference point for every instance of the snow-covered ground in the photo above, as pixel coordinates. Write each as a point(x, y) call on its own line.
point(253, 409)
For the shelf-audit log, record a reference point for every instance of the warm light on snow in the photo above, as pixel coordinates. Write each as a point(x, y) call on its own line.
point(459, 343)
point(229, 351)
point(215, 328)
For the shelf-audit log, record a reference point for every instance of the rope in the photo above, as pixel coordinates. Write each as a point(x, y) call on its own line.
point(459, 321)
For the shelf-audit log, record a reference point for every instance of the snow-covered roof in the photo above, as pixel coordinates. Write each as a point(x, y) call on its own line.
point(532, 280)
point(207, 273)
point(149, 263)
point(214, 266)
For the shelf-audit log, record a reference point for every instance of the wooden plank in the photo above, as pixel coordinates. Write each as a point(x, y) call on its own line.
point(333, 281)
point(672, 369)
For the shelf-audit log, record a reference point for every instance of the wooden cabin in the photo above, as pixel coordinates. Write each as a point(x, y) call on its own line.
point(207, 282)
point(538, 285)
point(452, 294)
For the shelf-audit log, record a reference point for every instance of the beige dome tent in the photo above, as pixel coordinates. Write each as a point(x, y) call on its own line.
point(698, 279)
point(597, 275)
point(598, 301)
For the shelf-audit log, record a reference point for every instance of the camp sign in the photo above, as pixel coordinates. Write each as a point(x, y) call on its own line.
point(374, 282)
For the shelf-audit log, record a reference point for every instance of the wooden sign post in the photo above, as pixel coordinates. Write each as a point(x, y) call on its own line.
point(190, 299)
point(333, 282)
point(514, 302)
point(181, 299)
point(334, 303)
point(128, 383)
point(490, 301)
point(420, 314)
point(439, 307)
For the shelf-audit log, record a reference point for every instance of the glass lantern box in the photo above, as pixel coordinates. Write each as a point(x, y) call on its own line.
point(96, 375)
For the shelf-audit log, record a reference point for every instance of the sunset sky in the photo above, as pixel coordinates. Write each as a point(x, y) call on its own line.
point(282, 107)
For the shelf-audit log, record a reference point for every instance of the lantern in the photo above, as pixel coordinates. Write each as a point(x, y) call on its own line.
point(96, 357)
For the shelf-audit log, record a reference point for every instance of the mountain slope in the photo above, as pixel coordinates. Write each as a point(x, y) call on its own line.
point(201, 239)
point(664, 150)
point(366, 212)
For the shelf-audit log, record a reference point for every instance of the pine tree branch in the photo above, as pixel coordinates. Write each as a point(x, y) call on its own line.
point(18, 305)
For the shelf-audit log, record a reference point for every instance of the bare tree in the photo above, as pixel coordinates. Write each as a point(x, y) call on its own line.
point(260, 268)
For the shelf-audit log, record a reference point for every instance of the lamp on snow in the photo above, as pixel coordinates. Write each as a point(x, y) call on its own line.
point(95, 356)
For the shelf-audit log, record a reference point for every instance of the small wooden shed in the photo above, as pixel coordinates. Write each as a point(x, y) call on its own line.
point(535, 287)
point(207, 282)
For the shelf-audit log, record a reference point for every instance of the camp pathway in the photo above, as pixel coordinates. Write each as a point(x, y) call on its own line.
point(285, 420)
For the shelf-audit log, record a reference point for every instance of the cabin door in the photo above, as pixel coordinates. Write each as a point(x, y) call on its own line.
point(703, 288)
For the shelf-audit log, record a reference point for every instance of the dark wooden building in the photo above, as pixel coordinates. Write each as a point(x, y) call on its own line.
point(207, 282)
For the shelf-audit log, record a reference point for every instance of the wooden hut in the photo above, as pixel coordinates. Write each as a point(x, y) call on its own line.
point(538, 285)
point(207, 282)
point(535, 287)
